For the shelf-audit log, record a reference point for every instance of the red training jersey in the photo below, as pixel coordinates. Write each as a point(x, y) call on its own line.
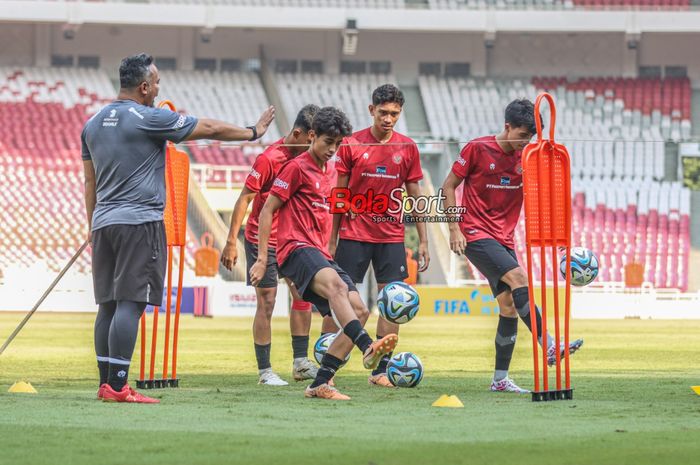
point(263, 173)
point(304, 218)
point(493, 190)
point(381, 168)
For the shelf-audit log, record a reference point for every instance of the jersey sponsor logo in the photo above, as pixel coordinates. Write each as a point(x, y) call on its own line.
point(133, 111)
point(180, 122)
point(462, 161)
point(505, 180)
point(472, 231)
point(383, 175)
point(254, 174)
point(320, 205)
point(397, 159)
point(110, 120)
point(504, 186)
point(281, 184)
point(381, 170)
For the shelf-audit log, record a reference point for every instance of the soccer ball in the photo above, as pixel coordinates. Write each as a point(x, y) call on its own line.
point(405, 370)
point(584, 266)
point(322, 345)
point(398, 302)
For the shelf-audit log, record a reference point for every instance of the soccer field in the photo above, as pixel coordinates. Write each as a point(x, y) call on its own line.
point(632, 401)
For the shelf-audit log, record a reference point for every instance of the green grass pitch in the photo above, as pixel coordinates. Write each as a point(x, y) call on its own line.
point(632, 401)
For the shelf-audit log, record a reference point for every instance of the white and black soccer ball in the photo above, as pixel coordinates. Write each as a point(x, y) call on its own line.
point(584, 266)
point(322, 344)
point(398, 302)
point(404, 370)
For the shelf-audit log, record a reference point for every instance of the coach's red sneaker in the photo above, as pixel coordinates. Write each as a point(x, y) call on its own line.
point(125, 395)
point(101, 392)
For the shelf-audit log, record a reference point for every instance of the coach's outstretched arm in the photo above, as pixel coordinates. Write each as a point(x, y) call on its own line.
point(458, 243)
point(257, 271)
point(219, 130)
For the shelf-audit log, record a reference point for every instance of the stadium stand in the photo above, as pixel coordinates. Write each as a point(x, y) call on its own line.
point(640, 219)
point(559, 4)
point(389, 4)
point(42, 112)
point(238, 97)
point(350, 92)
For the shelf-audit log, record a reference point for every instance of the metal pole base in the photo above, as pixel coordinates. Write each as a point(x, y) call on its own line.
point(546, 396)
point(158, 383)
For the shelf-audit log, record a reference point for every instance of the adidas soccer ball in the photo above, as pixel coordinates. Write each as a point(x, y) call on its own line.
point(398, 302)
point(322, 345)
point(405, 370)
point(584, 266)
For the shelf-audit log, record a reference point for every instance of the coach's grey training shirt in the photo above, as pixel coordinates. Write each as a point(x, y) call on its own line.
point(126, 143)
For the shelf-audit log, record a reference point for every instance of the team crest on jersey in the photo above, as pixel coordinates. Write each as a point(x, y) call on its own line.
point(397, 159)
point(492, 166)
point(519, 169)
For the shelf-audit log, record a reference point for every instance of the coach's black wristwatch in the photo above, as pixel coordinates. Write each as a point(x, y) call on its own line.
point(255, 132)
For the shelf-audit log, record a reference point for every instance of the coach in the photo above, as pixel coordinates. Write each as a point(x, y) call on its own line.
point(123, 151)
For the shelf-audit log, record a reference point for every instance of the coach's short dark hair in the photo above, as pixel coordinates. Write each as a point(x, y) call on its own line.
point(329, 121)
point(305, 118)
point(521, 113)
point(387, 93)
point(134, 69)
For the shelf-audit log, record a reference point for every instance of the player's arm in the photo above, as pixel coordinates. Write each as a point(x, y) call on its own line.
point(413, 190)
point(229, 256)
point(272, 204)
point(343, 180)
point(90, 193)
point(457, 240)
point(207, 128)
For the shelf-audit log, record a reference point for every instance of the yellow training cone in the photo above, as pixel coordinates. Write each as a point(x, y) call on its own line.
point(22, 387)
point(448, 401)
point(696, 389)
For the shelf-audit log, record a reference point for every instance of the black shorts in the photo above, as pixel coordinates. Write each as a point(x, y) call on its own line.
point(302, 265)
point(493, 260)
point(128, 262)
point(388, 260)
point(251, 256)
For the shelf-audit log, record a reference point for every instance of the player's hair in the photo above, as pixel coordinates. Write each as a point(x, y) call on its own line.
point(521, 113)
point(306, 117)
point(387, 93)
point(330, 121)
point(134, 69)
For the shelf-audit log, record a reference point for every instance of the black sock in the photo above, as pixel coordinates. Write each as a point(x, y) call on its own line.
point(381, 368)
point(262, 354)
point(358, 335)
point(300, 346)
point(118, 374)
point(329, 365)
point(521, 300)
point(103, 366)
point(505, 343)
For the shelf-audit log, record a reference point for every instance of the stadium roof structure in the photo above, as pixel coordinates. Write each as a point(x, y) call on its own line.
point(306, 18)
